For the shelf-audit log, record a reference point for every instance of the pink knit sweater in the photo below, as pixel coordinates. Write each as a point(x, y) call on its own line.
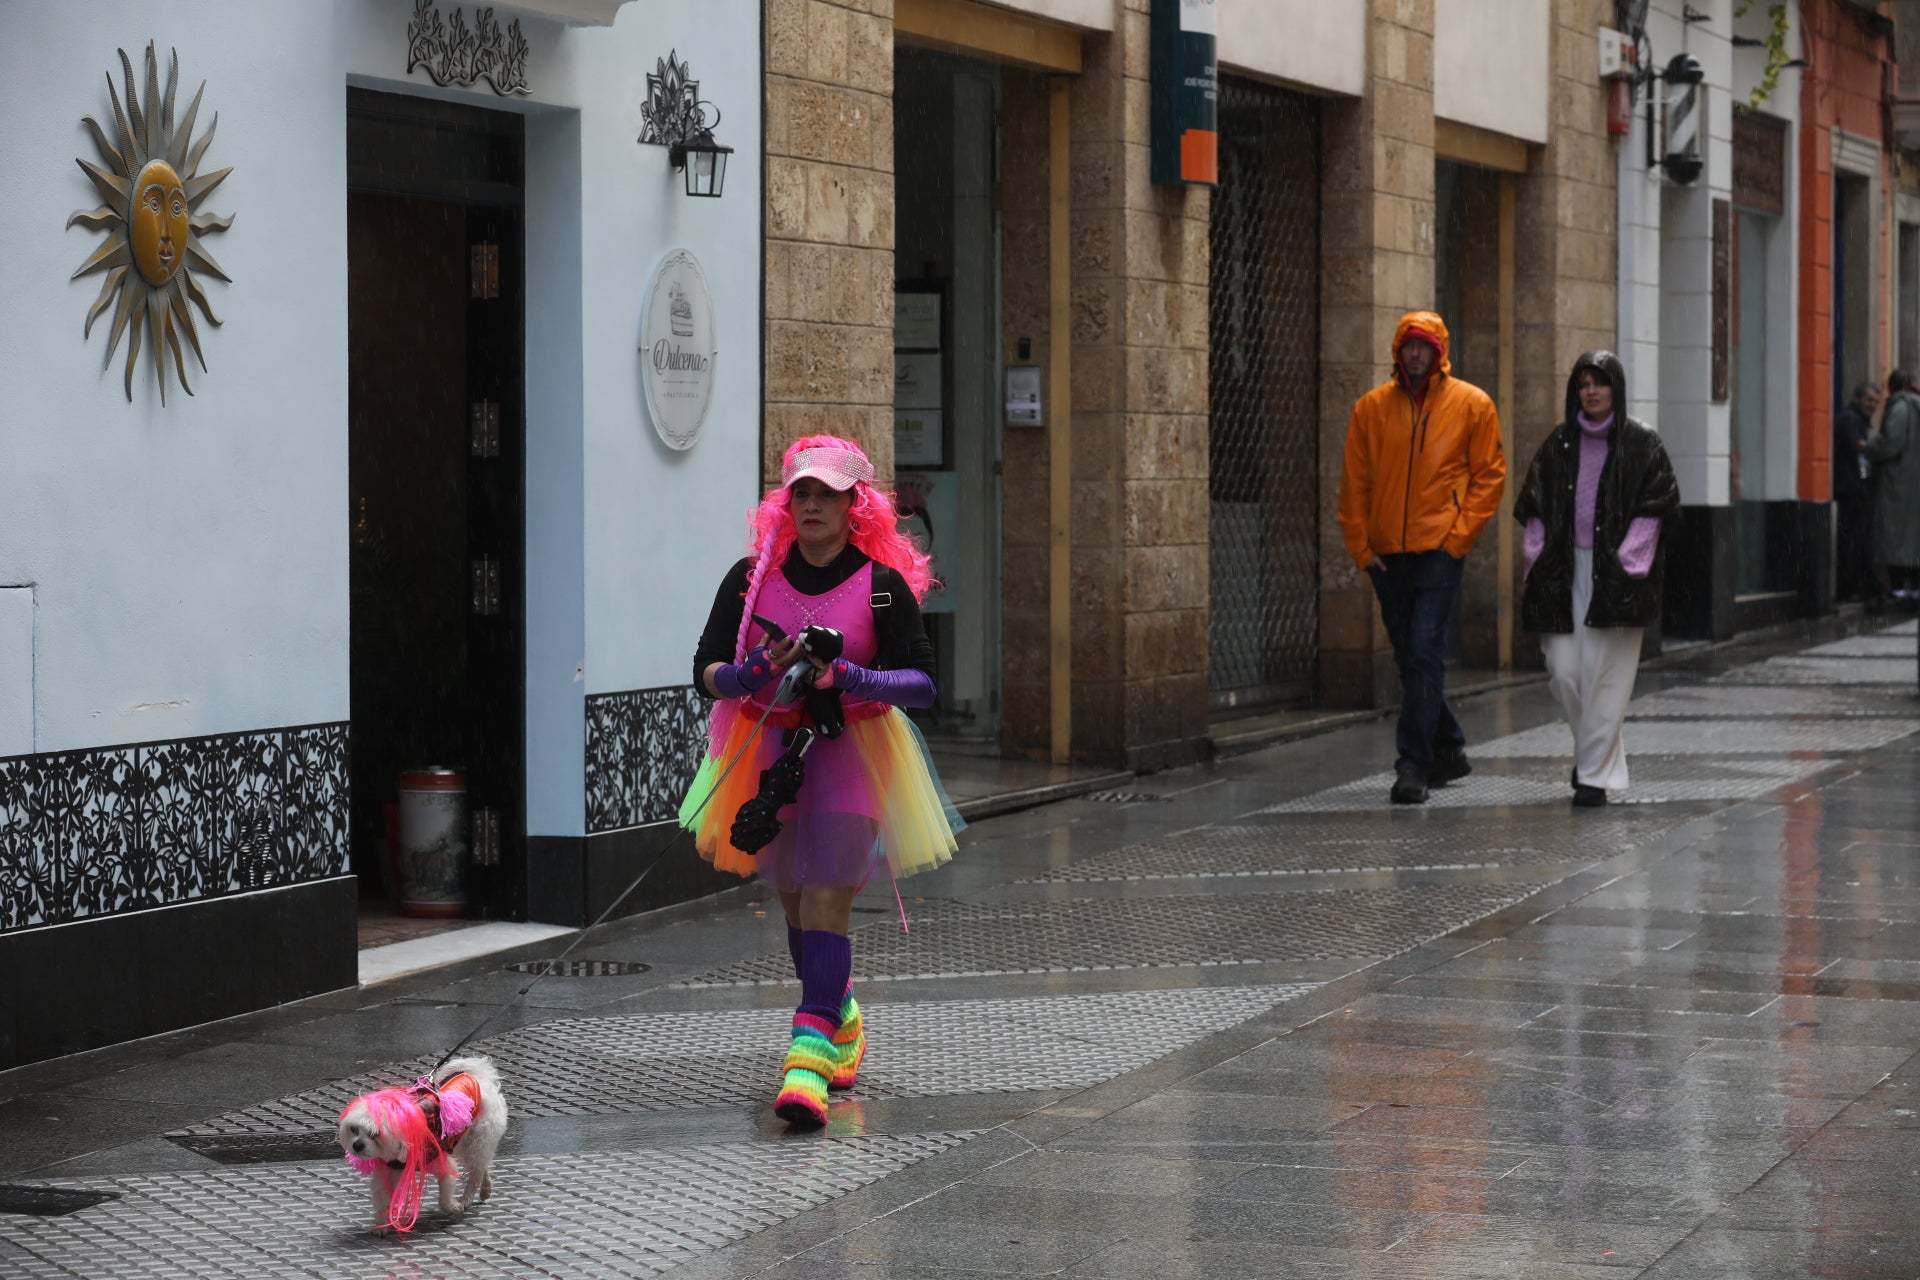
point(1643, 534)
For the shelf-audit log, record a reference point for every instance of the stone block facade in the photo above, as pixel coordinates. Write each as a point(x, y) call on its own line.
point(1377, 246)
point(1380, 229)
point(1138, 329)
point(829, 237)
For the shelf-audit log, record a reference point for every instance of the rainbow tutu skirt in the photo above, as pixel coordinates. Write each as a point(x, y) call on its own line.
point(869, 793)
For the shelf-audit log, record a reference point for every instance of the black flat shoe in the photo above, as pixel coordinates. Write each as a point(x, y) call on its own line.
point(1448, 766)
point(1586, 797)
point(1409, 787)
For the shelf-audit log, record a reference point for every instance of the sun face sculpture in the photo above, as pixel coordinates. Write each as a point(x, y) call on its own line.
point(153, 187)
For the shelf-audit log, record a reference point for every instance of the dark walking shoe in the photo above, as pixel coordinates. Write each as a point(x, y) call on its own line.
point(1449, 766)
point(1586, 797)
point(1409, 786)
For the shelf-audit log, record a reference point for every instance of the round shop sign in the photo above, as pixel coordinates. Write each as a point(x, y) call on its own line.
point(676, 349)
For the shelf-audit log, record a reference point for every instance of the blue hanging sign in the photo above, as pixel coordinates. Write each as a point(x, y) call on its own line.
point(1185, 38)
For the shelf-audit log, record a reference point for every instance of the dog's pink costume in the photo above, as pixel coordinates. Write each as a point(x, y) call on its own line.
point(430, 1120)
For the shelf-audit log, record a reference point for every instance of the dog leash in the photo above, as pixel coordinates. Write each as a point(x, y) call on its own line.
point(658, 858)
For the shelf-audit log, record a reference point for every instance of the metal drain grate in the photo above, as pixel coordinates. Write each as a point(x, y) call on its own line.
point(49, 1202)
point(731, 1058)
point(1123, 797)
point(262, 1148)
point(581, 968)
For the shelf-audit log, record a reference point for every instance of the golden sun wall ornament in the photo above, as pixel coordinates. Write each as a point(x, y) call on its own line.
point(153, 188)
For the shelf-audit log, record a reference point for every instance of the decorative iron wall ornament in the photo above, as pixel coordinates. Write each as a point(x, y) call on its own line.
point(109, 829)
point(643, 748)
point(674, 114)
point(454, 55)
point(153, 186)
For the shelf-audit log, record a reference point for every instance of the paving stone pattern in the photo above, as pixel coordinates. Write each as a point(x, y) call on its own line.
point(582, 1217)
point(1880, 646)
point(730, 1058)
point(1700, 1059)
point(989, 940)
point(1286, 843)
point(1747, 702)
point(1895, 673)
point(1715, 738)
point(1655, 782)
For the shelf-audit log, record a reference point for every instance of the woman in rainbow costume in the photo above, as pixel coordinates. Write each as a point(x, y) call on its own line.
point(826, 553)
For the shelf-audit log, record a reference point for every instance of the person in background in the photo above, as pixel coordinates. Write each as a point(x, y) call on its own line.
point(1853, 516)
point(1424, 472)
point(1895, 455)
point(1593, 504)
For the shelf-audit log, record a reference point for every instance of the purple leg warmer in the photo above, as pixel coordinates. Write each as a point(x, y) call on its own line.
point(793, 947)
point(826, 963)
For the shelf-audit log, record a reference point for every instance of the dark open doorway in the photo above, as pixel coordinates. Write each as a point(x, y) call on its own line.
point(436, 478)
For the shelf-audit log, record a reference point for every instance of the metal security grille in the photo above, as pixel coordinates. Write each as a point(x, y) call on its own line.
point(1264, 390)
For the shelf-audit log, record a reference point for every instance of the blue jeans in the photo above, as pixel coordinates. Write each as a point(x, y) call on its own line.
point(1417, 590)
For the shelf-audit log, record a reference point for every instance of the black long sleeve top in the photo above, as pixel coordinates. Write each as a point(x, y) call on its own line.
point(899, 628)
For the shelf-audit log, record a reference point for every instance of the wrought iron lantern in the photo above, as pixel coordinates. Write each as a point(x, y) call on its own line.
point(675, 117)
point(705, 162)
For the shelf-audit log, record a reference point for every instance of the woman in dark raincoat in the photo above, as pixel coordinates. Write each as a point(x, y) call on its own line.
point(1594, 505)
point(1895, 455)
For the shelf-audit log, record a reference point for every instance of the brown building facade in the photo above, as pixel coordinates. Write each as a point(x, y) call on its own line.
point(971, 183)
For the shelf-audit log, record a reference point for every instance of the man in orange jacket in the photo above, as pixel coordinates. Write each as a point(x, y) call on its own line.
point(1423, 476)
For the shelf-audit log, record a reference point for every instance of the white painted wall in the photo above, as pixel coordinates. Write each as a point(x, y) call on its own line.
point(1666, 268)
point(16, 670)
point(1783, 250)
point(189, 563)
point(1492, 61)
point(663, 526)
point(1317, 44)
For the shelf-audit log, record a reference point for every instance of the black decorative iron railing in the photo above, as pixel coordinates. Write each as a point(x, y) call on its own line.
point(109, 829)
point(643, 748)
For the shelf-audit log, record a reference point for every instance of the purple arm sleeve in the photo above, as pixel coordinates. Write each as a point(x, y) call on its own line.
point(737, 680)
point(1637, 548)
point(1533, 542)
point(907, 687)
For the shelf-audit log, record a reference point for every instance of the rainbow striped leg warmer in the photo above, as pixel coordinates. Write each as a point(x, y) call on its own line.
point(849, 1043)
point(811, 1061)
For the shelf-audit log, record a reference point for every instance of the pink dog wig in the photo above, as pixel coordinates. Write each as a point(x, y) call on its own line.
point(398, 1112)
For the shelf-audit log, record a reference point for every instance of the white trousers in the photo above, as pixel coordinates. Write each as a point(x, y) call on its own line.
point(1591, 673)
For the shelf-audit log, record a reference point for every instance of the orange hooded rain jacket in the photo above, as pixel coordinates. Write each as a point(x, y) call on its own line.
point(1426, 475)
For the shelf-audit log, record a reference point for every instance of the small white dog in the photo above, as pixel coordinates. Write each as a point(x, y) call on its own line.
point(448, 1127)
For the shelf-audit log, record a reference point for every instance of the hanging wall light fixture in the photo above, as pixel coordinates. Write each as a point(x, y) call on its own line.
point(1685, 107)
point(674, 117)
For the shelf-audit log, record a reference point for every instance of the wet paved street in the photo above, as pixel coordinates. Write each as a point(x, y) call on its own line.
point(1236, 1021)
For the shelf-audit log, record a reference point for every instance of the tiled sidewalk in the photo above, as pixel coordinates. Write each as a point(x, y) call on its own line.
point(1246, 1021)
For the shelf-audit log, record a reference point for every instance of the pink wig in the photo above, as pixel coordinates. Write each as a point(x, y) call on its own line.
point(397, 1114)
point(873, 528)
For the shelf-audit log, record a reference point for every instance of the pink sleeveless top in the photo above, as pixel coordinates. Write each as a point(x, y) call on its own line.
point(848, 609)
